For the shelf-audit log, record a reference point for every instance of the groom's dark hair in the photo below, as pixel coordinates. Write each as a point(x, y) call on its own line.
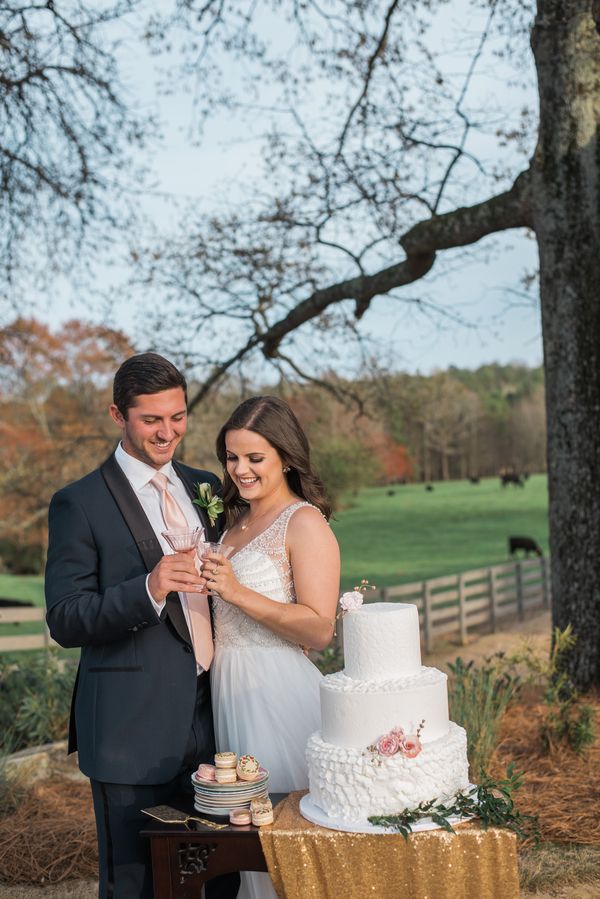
point(142, 374)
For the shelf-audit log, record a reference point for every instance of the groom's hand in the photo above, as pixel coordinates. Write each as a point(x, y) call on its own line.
point(175, 574)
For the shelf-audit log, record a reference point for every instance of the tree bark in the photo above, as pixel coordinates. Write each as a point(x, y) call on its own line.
point(566, 211)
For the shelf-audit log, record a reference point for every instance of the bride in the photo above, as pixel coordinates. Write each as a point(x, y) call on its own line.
point(276, 596)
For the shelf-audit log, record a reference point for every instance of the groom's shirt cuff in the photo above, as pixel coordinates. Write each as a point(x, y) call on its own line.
point(158, 606)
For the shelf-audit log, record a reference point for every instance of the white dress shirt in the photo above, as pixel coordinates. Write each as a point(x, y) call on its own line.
point(139, 475)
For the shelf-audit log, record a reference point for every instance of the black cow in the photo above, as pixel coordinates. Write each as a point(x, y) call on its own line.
point(527, 544)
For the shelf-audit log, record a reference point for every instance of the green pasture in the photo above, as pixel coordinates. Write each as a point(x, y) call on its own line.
point(395, 535)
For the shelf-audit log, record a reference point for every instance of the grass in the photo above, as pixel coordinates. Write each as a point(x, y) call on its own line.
point(552, 867)
point(410, 536)
point(416, 534)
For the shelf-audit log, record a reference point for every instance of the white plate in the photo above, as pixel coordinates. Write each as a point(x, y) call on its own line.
point(237, 785)
point(315, 814)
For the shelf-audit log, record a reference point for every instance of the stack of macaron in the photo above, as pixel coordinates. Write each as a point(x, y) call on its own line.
point(229, 784)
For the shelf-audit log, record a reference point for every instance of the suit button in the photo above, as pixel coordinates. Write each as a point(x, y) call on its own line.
point(187, 647)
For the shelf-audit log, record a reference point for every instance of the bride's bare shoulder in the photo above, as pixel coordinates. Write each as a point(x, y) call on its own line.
point(307, 522)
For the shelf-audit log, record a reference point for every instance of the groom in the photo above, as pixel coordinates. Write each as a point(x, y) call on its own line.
point(141, 715)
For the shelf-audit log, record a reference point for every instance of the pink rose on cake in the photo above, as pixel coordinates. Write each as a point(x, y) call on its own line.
point(388, 745)
point(410, 746)
point(351, 601)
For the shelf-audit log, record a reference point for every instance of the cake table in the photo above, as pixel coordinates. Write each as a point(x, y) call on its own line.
point(310, 862)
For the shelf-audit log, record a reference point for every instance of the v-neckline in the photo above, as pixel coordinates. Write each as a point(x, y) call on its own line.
point(268, 528)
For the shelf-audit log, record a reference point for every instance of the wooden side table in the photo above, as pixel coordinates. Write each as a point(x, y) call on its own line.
point(184, 857)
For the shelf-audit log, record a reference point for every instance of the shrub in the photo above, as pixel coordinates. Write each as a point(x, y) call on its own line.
point(35, 698)
point(478, 698)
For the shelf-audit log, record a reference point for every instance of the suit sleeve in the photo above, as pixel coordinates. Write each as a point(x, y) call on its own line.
point(78, 613)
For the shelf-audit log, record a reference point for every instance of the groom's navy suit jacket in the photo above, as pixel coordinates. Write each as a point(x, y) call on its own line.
point(135, 691)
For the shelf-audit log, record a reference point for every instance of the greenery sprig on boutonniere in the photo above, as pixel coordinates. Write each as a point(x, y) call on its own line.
point(491, 802)
point(207, 500)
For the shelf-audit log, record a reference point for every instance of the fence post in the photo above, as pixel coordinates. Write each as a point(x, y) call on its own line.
point(462, 609)
point(519, 574)
point(493, 599)
point(428, 624)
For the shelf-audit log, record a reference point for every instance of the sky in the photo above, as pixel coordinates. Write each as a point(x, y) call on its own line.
point(483, 317)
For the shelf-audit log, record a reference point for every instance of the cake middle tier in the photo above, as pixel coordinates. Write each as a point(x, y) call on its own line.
point(356, 713)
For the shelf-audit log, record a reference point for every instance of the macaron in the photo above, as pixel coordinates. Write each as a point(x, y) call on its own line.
point(206, 772)
point(262, 817)
point(225, 760)
point(248, 768)
point(261, 804)
point(240, 816)
point(225, 775)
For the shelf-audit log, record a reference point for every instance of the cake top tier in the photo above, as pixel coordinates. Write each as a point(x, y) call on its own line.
point(381, 641)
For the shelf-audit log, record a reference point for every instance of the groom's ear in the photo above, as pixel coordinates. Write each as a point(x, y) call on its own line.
point(116, 415)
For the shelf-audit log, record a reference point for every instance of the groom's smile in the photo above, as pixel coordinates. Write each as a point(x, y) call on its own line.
point(154, 426)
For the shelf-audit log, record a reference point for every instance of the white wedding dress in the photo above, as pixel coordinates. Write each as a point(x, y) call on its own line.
point(265, 691)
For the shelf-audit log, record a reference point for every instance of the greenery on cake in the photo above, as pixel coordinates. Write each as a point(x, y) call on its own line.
point(491, 802)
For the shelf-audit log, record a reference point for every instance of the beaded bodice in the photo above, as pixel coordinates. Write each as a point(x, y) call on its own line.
point(261, 565)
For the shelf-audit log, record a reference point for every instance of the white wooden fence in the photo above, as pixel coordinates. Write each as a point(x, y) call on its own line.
point(17, 615)
point(447, 605)
point(456, 603)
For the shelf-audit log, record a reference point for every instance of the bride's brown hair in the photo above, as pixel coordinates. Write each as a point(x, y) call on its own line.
point(273, 419)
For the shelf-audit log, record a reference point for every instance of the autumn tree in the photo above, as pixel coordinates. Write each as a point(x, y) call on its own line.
point(54, 393)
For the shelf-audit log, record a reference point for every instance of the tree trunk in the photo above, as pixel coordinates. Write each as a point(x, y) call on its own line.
point(566, 214)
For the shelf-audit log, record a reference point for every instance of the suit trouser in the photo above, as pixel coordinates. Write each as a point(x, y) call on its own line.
point(124, 856)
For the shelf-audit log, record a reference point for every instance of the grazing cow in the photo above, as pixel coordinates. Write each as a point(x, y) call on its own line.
point(511, 477)
point(429, 487)
point(474, 479)
point(527, 544)
point(391, 493)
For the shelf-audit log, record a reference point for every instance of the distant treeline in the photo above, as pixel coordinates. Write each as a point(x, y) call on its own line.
point(55, 388)
point(394, 426)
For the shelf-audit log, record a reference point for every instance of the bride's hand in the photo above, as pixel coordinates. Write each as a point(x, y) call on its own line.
point(219, 576)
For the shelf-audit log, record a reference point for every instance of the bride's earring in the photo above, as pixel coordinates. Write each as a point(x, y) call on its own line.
point(286, 468)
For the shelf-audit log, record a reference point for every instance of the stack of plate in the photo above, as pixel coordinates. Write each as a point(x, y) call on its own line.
point(213, 798)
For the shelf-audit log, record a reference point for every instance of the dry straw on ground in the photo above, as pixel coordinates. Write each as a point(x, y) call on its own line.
point(51, 836)
point(562, 788)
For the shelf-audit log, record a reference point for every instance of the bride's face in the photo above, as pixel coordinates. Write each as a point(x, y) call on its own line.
point(254, 466)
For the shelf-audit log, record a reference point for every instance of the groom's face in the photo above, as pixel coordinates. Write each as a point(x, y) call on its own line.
point(154, 427)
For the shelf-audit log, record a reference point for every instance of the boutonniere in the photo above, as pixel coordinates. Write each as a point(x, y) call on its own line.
point(207, 500)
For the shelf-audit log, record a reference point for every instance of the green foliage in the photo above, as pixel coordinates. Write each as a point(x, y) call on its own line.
point(35, 698)
point(19, 558)
point(329, 659)
point(343, 465)
point(568, 721)
point(478, 697)
point(491, 802)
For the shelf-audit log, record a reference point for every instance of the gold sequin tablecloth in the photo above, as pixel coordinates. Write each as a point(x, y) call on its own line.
point(310, 862)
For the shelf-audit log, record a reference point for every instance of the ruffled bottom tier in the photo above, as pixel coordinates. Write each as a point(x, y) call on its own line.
point(352, 784)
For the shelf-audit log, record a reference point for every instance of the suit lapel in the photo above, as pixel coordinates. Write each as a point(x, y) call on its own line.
point(142, 532)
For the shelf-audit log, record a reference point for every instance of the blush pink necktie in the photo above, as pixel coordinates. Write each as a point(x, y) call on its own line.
point(198, 609)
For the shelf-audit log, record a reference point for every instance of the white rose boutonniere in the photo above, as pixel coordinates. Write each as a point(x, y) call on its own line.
point(207, 500)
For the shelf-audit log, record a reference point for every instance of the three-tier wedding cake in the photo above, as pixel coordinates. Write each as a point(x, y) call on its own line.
point(386, 742)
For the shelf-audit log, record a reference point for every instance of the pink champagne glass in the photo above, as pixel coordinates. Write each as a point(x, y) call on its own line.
point(205, 547)
point(183, 539)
